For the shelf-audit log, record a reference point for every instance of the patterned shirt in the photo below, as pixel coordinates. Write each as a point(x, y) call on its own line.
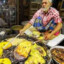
point(51, 14)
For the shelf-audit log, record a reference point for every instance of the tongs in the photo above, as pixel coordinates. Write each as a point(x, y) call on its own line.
point(11, 40)
point(38, 41)
point(45, 42)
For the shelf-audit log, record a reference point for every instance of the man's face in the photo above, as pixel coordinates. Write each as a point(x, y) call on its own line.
point(46, 5)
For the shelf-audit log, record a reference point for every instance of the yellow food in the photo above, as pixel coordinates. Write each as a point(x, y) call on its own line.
point(39, 49)
point(36, 33)
point(8, 46)
point(40, 38)
point(16, 41)
point(3, 43)
point(24, 48)
point(5, 61)
point(32, 29)
point(36, 58)
point(1, 52)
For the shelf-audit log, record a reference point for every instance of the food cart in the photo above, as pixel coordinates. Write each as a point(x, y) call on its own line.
point(28, 49)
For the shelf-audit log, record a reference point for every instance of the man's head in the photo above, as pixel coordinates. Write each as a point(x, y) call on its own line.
point(46, 4)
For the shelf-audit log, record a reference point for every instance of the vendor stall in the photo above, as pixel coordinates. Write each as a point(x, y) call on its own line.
point(29, 49)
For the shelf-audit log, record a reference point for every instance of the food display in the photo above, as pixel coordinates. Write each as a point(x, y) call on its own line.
point(24, 48)
point(5, 61)
point(35, 59)
point(16, 41)
point(1, 52)
point(58, 55)
point(30, 48)
point(3, 43)
point(36, 55)
point(38, 48)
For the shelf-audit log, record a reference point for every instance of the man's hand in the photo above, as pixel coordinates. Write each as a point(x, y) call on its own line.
point(47, 36)
point(28, 25)
point(21, 32)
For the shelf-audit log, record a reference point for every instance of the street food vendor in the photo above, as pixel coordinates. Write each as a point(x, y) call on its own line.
point(46, 18)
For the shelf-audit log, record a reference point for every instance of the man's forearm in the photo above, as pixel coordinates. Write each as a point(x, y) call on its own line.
point(58, 27)
point(27, 26)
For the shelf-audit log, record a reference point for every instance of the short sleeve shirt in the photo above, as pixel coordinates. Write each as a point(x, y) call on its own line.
point(51, 14)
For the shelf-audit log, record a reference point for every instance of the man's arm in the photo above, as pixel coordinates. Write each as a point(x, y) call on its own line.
point(30, 22)
point(49, 35)
point(57, 28)
point(25, 28)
